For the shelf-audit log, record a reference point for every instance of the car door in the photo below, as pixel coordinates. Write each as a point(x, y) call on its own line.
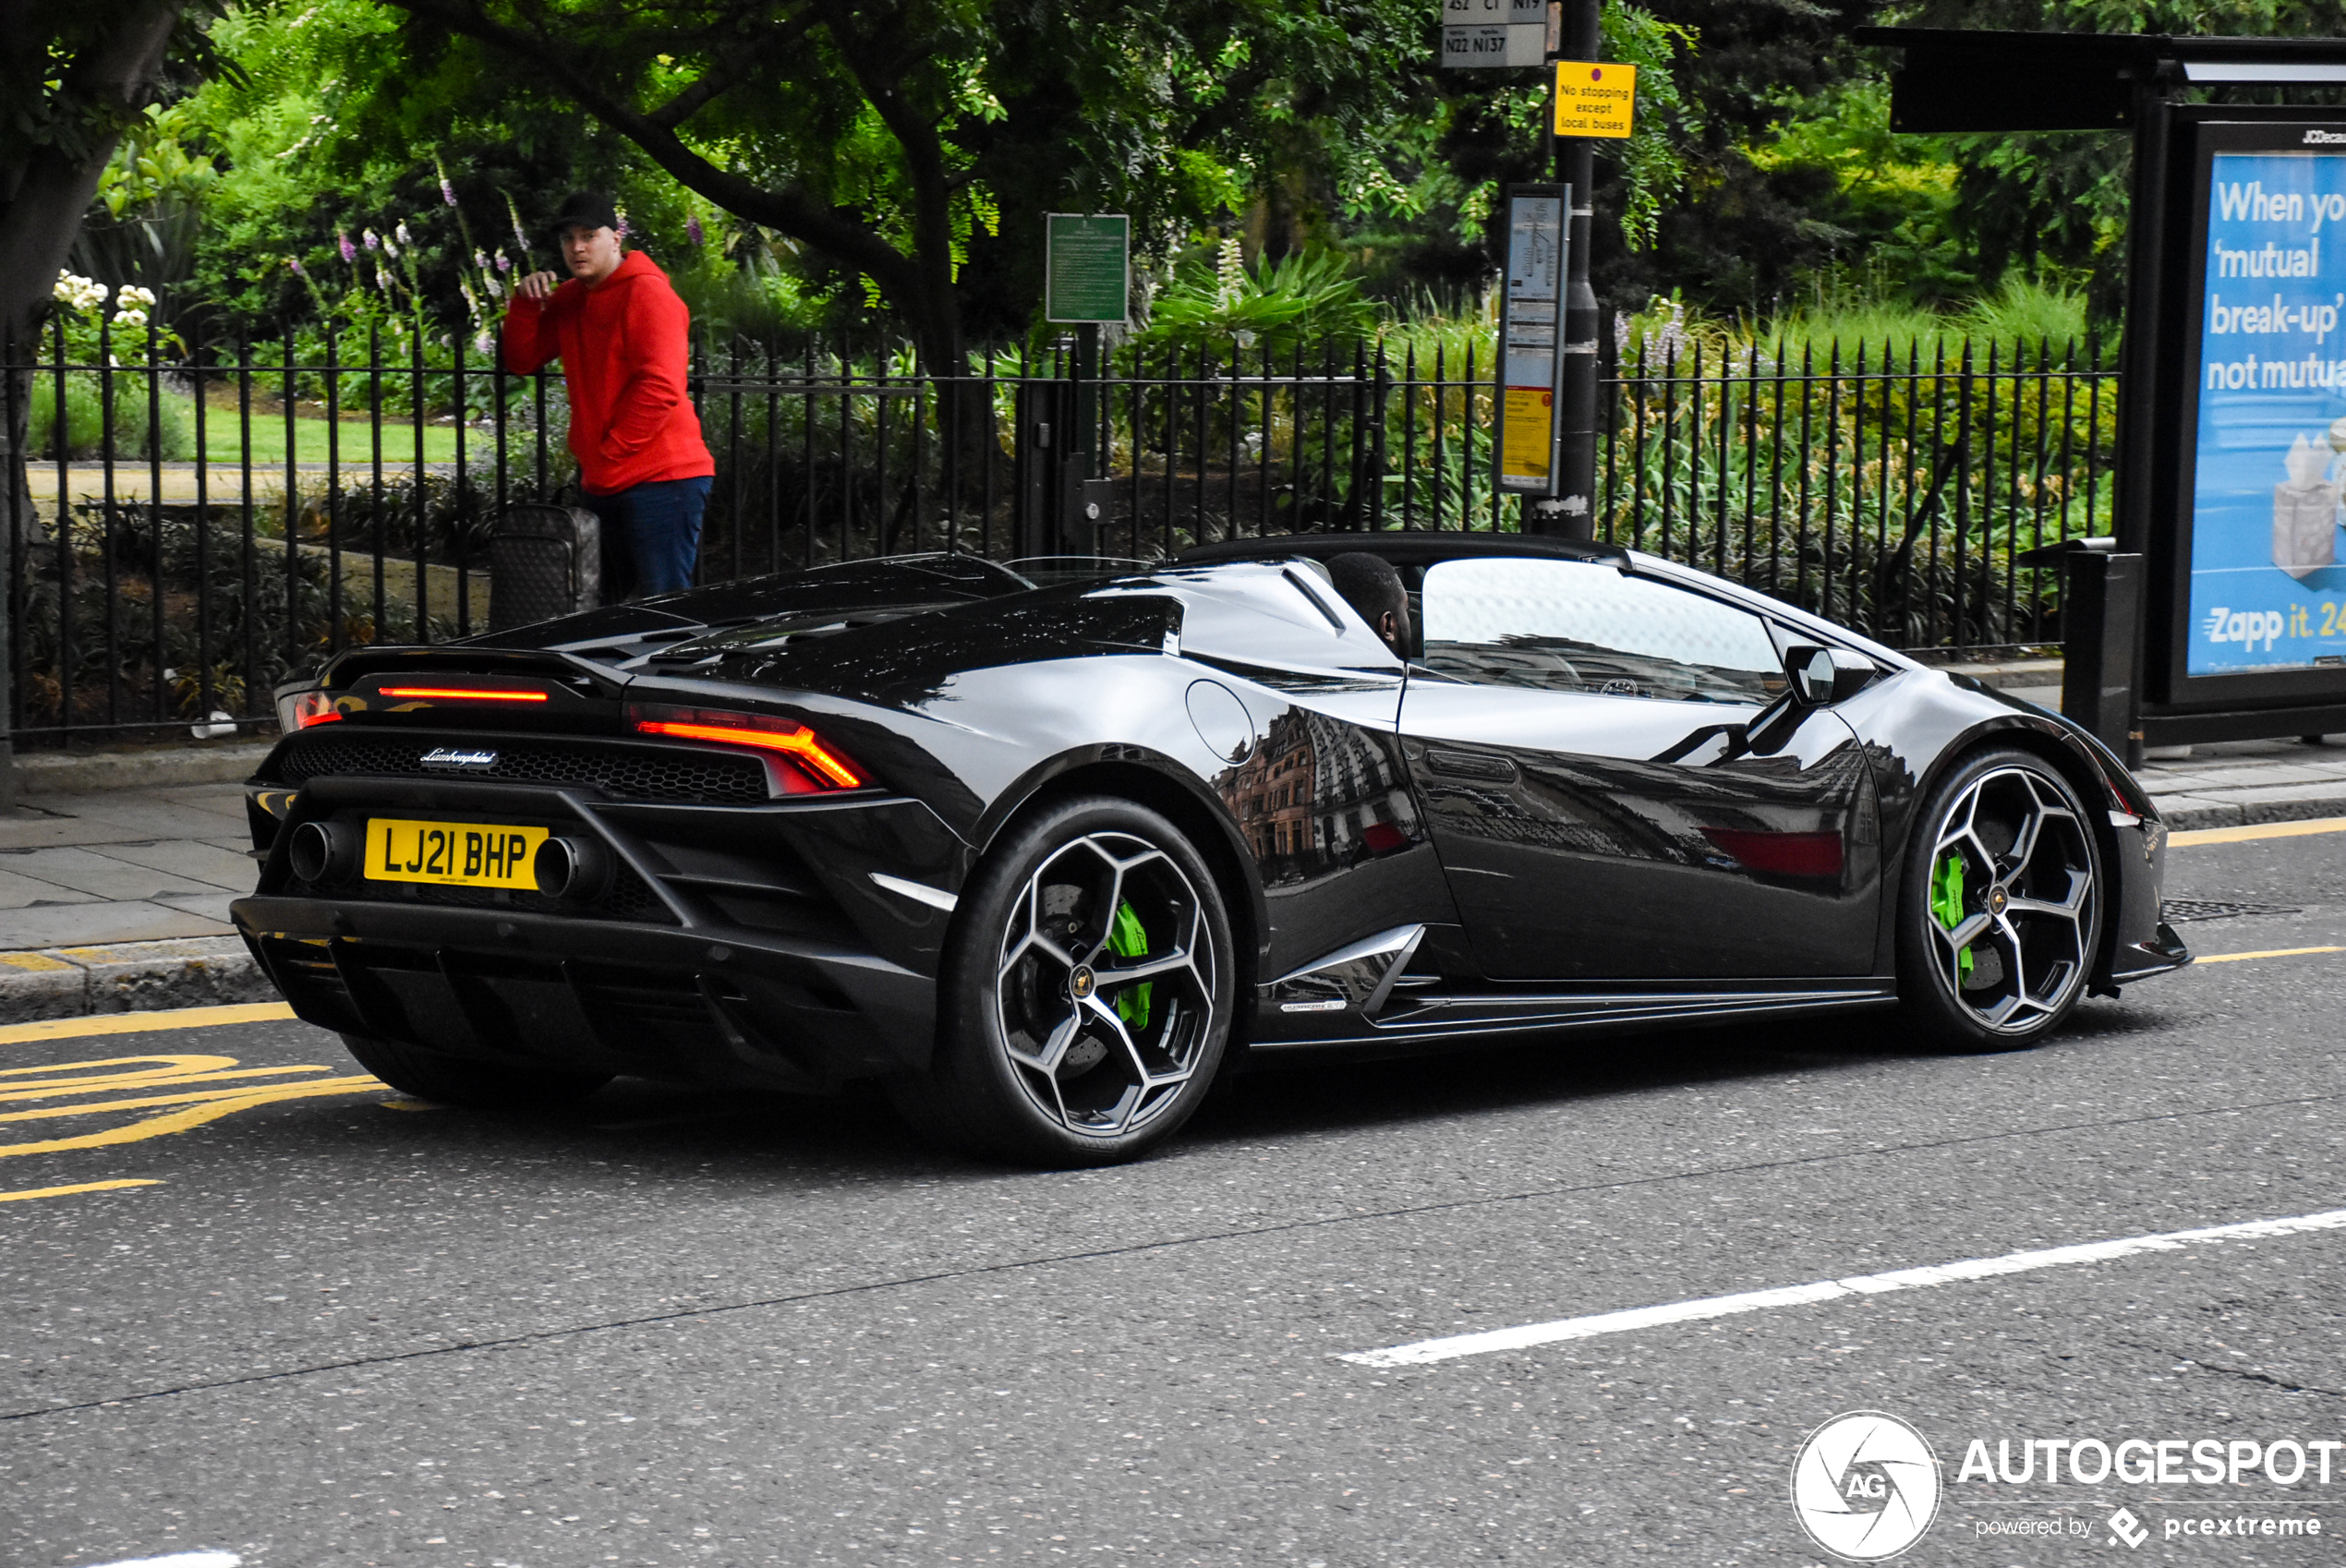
point(1619, 785)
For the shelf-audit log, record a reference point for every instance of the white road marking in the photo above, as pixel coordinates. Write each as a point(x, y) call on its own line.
point(182, 1560)
point(1528, 1334)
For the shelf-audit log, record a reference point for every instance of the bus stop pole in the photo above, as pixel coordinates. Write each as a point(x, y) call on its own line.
point(2107, 628)
point(1572, 511)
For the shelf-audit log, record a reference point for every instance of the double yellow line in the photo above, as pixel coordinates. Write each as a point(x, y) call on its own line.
point(2260, 830)
point(2242, 836)
point(142, 1023)
point(171, 1081)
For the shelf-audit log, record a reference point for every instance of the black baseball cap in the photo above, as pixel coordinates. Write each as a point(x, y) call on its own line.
point(585, 210)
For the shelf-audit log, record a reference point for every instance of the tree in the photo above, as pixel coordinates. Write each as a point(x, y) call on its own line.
point(2064, 197)
point(1747, 227)
point(911, 141)
point(72, 77)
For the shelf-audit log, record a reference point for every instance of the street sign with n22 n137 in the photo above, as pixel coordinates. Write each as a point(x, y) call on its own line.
point(1489, 34)
point(1087, 267)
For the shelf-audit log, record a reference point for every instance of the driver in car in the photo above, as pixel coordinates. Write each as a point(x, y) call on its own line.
point(1371, 587)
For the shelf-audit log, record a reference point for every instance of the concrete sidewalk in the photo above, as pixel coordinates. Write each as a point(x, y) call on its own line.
point(116, 899)
point(2235, 783)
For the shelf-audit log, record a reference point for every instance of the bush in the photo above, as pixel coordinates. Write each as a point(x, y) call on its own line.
point(85, 423)
point(1274, 305)
point(98, 648)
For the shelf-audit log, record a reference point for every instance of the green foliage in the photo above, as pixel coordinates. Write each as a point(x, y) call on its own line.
point(1415, 202)
point(330, 135)
point(2051, 311)
point(86, 422)
point(55, 104)
point(1653, 162)
point(1276, 306)
point(91, 653)
point(160, 162)
point(2026, 200)
point(144, 227)
point(1896, 503)
point(1887, 218)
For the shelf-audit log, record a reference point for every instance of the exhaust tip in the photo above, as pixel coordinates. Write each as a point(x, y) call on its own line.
point(322, 852)
point(575, 868)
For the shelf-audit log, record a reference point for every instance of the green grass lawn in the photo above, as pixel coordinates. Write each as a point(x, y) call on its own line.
point(222, 441)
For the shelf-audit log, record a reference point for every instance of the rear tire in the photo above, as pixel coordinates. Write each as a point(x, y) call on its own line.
point(2000, 909)
point(1086, 1002)
point(451, 1080)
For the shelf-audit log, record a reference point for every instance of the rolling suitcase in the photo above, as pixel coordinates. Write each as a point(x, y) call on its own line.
point(543, 561)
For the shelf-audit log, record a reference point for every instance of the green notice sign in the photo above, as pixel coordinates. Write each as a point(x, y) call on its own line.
point(1087, 267)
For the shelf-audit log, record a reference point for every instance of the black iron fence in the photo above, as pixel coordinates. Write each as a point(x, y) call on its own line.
point(204, 521)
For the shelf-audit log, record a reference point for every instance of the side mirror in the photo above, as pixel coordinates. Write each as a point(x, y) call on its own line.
point(1820, 676)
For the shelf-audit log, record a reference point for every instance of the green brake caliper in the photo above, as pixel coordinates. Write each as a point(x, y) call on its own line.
point(1946, 904)
point(1127, 939)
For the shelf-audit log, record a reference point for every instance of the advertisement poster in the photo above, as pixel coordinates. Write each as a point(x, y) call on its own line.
point(2267, 585)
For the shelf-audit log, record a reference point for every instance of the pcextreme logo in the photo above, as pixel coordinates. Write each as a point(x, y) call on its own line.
point(1865, 1486)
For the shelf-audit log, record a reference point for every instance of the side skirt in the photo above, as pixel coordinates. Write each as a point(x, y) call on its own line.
point(1421, 1019)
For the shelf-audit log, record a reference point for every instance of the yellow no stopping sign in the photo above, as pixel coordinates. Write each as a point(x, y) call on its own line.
point(1595, 97)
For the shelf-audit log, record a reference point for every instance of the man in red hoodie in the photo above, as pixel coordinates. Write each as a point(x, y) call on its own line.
point(621, 333)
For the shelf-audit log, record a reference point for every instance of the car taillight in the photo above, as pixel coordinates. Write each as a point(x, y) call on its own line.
point(304, 708)
point(462, 693)
point(822, 764)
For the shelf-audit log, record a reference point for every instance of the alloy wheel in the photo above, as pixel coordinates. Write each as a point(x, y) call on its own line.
point(2011, 900)
point(1106, 985)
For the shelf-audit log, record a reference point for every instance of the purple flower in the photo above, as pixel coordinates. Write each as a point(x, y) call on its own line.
point(481, 260)
point(447, 191)
point(371, 238)
point(294, 263)
point(505, 262)
point(692, 228)
point(349, 251)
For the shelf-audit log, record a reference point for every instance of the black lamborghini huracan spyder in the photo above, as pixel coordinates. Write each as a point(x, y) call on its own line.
point(1045, 859)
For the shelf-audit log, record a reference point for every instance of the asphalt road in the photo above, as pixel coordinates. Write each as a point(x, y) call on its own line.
point(333, 1328)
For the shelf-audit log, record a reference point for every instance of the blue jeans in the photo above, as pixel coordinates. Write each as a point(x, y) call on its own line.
point(651, 537)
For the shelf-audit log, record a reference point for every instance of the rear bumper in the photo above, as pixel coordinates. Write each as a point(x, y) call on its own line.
point(769, 945)
point(726, 1006)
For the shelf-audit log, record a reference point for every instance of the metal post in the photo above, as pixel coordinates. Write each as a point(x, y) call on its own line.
point(2100, 609)
point(1078, 422)
point(1572, 512)
point(2137, 502)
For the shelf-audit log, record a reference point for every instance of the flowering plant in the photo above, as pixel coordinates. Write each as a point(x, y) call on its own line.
point(81, 309)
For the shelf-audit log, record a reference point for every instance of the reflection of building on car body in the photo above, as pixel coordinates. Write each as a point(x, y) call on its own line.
point(1046, 860)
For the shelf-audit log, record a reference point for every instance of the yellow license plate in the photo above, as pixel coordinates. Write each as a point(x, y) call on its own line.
point(459, 854)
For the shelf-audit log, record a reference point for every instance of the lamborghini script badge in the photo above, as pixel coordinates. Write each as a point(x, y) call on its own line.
point(448, 756)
